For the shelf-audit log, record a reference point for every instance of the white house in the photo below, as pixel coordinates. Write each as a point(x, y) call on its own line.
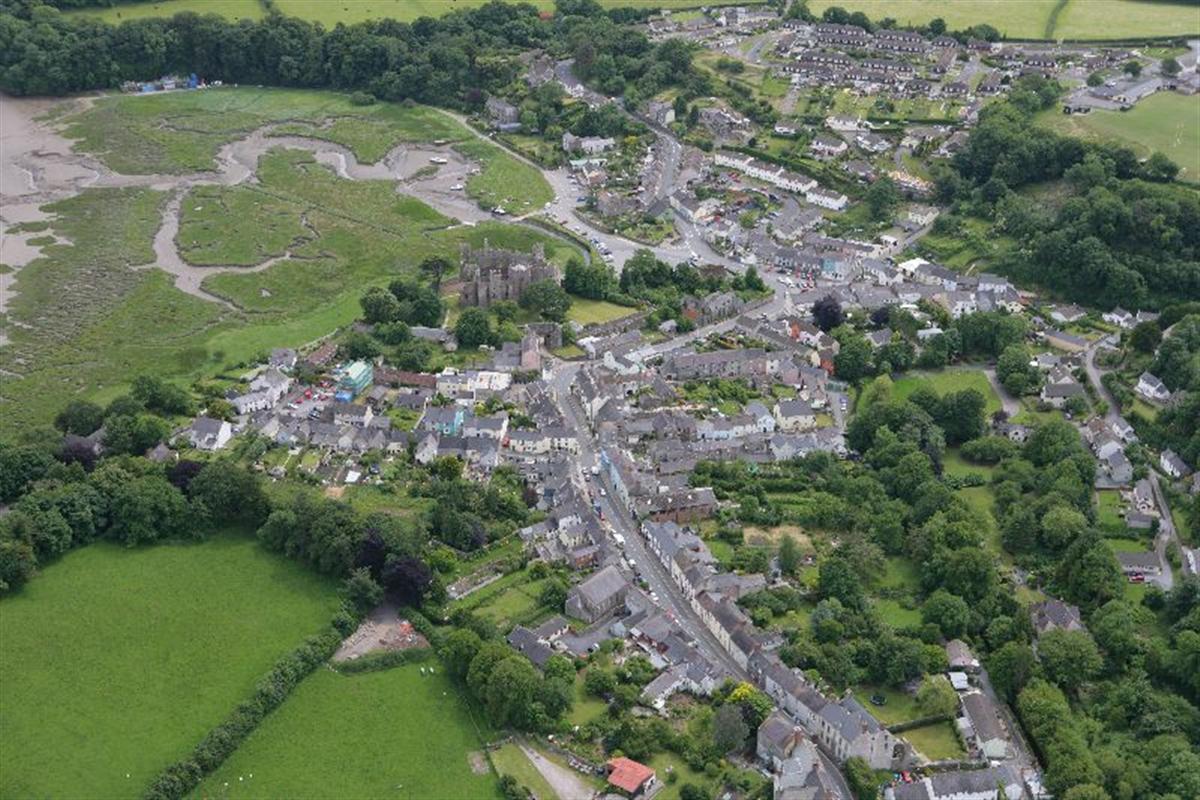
point(1173, 465)
point(207, 433)
point(794, 415)
point(1151, 388)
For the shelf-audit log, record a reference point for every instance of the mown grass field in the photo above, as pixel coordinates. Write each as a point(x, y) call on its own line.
point(1034, 19)
point(1167, 122)
point(936, 742)
point(116, 662)
point(331, 12)
point(592, 312)
point(392, 733)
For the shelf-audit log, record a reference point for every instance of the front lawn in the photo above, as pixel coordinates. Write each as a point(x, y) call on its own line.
point(116, 662)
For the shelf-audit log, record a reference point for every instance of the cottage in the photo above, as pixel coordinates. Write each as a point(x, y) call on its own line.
point(206, 433)
point(1066, 341)
point(1152, 389)
point(960, 657)
point(1139, 564)
point(796, 415)
point(970, 784)
point(1170, 463)
point(1058, 395)
point(630, 777)
point(777, 737)
point(1053, 614)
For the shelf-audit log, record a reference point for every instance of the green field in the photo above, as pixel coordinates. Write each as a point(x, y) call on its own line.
point(331, 12)
point(1034, 19)
point(1166, 122)
point(936, 742)
point(949, 380)
point(365, 735)
point(509, 759)
point(594, 312)
point(116, 662)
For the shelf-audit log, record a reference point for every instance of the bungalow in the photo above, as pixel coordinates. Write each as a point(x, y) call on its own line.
point(1142, 563)
point(1170, 463)
point(630, 777)
point(1152, 389)
point(1057, 395)
point(1066, 314)
point(1066, 341)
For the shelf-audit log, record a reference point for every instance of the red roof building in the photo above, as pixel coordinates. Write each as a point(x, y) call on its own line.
point(629, 776)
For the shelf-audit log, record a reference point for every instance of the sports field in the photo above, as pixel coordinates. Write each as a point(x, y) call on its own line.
point(365, 735)
point(1035, 19)
point(1166, 122)
point(331, 12)
point(116, 662)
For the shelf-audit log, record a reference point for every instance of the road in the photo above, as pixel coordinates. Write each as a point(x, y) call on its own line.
point(1010, 404)
point(1167, 534)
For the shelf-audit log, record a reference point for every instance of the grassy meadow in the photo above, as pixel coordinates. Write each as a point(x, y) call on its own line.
point(1166, 122)
point(117, 662)
point(1036, 19)
point(331, 12)
point(365, 735)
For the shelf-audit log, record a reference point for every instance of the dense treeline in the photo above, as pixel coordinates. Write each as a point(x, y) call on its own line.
point(450, 61)
point(1121, 237)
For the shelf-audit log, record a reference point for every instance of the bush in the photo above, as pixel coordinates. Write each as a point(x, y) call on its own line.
point(362, 99)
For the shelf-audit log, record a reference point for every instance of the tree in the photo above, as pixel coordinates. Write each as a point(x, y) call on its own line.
point(936, 697)
point(547, 299)
point(882, 198)
point(1159, 167)
point(1086, 791)
point(553, 594)
point(1170, 66)
point(827, 313)
point(1015, 372)
point(1145, 337)
point(599, 682)
point(729, 729)
point(146, 509)
point(1070, 658)
point(359, 346)
point(960, 414)
point(17, 561)
point(134, 435)
point(79, 417)
point(224, 492)
point(949, 612)
point(1132, 68)
point(1095, 79)
point(1088, 573)
point(19, 467)
point(361, 591)
point(435, 267)
point(510, 692)
point(1010, 668)
point(473, 328)
point(789, 555)
point(458, 649)
point(407, 579)
point(853, 360)
point(837, 580)
point(861, 779)
point(1061, 526)
point(379, 306)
